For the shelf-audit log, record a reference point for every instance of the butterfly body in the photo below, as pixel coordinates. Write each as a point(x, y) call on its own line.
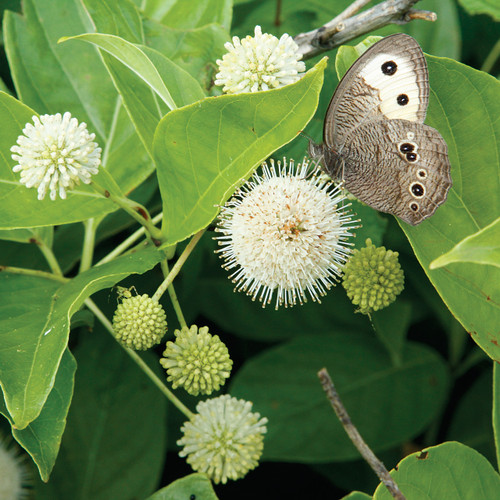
point(374, 136)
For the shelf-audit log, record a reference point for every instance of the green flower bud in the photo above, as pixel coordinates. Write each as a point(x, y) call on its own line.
point(139, 322)
point(373, 278)
point(197, 361)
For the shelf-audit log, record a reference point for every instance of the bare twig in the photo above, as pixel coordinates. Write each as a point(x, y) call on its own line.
point(347, 26)
point(355, 436)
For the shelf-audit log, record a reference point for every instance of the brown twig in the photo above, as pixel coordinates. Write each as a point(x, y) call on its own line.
point(350, 24)
point(355, 436)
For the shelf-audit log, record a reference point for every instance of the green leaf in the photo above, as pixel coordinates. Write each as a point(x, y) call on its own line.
point(39, 65)
point(42, 438)
point(203, 151)
point(194, 50)
point(132, 57)
point(388, 404)
point(471, 420)
point(467, 117)
point(482, 247)
point(193, 486)
point(357, 495)
point(116, 18)
point(186, 15)
point(31, 235)
point(450, 470)
point(490, 7)
point(115, 440)
point(35, 333)
point(496, 409)
point(391, 325)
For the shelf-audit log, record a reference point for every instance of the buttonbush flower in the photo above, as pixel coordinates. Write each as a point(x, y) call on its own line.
point(373, 278)
point(55, 154)
point(139, 322)
point(285, 231)
point(197, 361)
point(14, 475)
point(224, 439)
point(259, 63)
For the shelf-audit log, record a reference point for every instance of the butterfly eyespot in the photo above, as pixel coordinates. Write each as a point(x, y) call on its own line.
point(412, 157)
point(403, 99)
point(417, 189)
point(406, 147)
point(389, 68)
point(422, 173)
point(414, 207)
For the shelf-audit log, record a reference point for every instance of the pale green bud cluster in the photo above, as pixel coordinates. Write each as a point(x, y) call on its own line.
point(139, 322)
point(197, 361)
point(373, 278)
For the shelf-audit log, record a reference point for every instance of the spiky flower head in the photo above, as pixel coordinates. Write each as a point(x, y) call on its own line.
point(259, 63)
point(14, 474)
point(55, 154)
point(139, 322)
point(224, 439)
point(197, 361)
point(373, 278)
point(285, 231)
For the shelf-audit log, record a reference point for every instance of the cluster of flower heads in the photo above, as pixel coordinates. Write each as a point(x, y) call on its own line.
point(373, 278)
point(197, 361)
point(224, 439)
point(285, 231)
point(259, 63)
point(139, 322)
point(55, 154)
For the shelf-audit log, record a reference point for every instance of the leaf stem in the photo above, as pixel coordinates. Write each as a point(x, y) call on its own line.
point(88, 244)
point(140, 362)
point(128, 242)
point(49, 257)
point(178, 265)
point(135, 210)
point(173, 296)
point(35, 272)
point(355, 436)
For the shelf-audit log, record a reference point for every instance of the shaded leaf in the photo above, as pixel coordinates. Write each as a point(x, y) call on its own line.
point(196, 486)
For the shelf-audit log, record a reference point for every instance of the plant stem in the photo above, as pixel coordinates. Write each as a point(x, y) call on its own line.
point(133, 209)
point(139, 361)
point(88, 244)
point(128, 241)
point(35, 272)
point(49, 257)
point(355, 436)
point(491, 58)
point(178, 266)
point(173, 296)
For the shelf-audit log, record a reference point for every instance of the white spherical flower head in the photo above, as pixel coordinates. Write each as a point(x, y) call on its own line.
point(14, 475)
point(224, 439)
point(55, 154)
point(286, 231)
point(259, 63)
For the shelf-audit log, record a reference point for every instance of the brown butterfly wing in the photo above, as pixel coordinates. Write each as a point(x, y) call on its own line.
point(398, 166)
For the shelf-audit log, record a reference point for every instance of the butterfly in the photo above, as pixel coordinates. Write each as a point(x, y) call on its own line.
point(374, 135)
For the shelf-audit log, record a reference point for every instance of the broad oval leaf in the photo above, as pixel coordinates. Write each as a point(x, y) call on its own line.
point(482, 247)
point(388, 404)
point(203, 151)
point(35, 334)
point(450, 470)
